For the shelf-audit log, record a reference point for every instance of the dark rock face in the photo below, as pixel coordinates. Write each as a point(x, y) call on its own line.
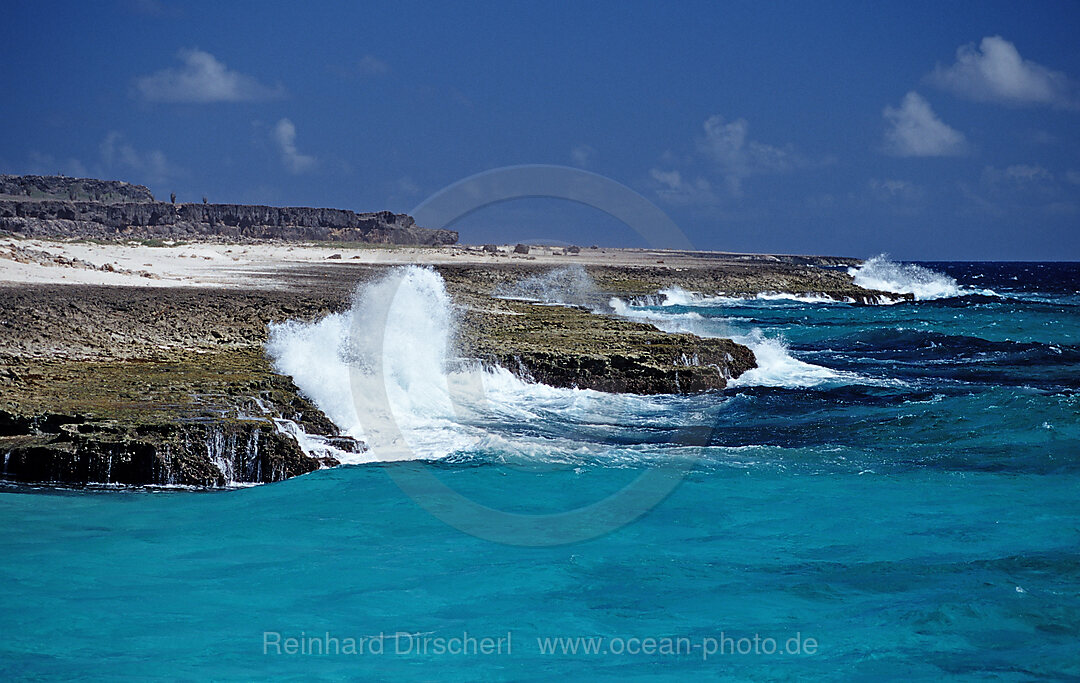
point(710, 365)
point(71, 449)
point(38, 206)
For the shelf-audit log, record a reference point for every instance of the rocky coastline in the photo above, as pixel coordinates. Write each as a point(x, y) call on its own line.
point(163, 380)
point(172, 387)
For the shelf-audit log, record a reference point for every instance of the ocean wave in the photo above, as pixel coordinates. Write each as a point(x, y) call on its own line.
point(677, 296)
point(777, 367)
point(907, 278)
point(383, 373)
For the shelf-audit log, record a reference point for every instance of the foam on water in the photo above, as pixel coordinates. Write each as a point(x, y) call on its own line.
point(907, 278)
point(776, 366)
point(677, 296)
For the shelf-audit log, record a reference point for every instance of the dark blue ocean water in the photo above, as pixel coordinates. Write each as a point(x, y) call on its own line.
point(903, 490)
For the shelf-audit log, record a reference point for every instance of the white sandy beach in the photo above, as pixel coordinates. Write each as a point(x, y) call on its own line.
point(238, 265)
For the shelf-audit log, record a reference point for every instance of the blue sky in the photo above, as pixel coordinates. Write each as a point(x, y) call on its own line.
point(926, 130)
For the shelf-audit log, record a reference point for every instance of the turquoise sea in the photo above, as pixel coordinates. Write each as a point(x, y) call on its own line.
point(895, 494)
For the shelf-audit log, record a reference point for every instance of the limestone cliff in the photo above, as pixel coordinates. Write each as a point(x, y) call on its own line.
point(56, 206)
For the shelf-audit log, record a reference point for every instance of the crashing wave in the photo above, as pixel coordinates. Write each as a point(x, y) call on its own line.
point(379, 369)
point(907, 278)
point(776, 367)
point(384, 372)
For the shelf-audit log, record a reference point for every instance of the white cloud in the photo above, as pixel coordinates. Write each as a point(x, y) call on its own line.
point(673, 188)
point(1022, 188)
point(1042, 137)
point(724, 157)
point(1062, 209)
point(914, 130)
point(737, 157)
point(582, 155)
point(118, 155)
point(284, 135)
point(1073, 177)
point(117, 159)
point(203, 79)
point(47, 164)
point(995, 72)
point(890, 190)
point(154, 8)
point(669, 179)
point(406, 186)
point(1022, 173)
point(1020, 178)
point(399, 193)
point(370, 65)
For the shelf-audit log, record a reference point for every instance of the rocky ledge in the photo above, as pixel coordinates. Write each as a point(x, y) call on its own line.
point(742, 275)
point(151, 387)
point(203, 420)
point(566, 346)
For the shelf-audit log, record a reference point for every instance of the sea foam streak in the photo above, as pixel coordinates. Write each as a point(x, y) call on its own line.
point(776, 367)
point(396, 342)
point(677, 296)
point(907, 278)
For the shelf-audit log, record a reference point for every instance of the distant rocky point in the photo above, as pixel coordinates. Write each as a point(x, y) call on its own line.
point(59, 206)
